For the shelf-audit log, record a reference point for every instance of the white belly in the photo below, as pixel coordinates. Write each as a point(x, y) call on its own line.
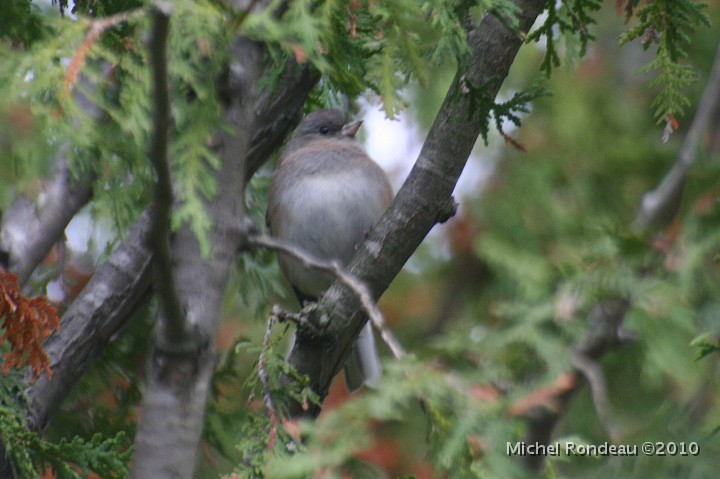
point(327, 217)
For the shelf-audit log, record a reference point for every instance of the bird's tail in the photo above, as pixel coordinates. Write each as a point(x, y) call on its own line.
point(363, 365)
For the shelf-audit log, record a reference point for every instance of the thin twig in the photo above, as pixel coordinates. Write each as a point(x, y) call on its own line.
point(163, 268)
point(606, 332)
point(264, 380)
point(351, 281)
point(97, 27)
point(595, 377)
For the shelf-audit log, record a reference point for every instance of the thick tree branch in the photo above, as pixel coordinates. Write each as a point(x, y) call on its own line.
point(423, 196)
point(278, 111)
point(116, 290)
point(178, 378)
point(659, 206)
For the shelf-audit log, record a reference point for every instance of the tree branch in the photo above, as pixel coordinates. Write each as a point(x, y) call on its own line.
point(27, 236)
point(593, 374)
point(334, 267)
point(606, 332)
point(117, 289)
point(279, 112)
point(265, 380)
point(178, 378)
point(659, 206)
point(172, 323)
point(28, 232)
point(422, 197)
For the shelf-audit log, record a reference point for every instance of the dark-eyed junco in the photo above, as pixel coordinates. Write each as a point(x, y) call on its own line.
point(325, 196)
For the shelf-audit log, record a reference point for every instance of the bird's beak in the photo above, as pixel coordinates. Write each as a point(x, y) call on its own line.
point(351, 128)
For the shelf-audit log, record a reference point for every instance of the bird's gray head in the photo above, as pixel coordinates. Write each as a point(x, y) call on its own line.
point(320, 124)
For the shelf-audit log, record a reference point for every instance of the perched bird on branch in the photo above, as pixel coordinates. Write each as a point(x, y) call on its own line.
point(325, 196)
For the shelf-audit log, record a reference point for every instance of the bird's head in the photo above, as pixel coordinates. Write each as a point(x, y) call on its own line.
point(328, 123)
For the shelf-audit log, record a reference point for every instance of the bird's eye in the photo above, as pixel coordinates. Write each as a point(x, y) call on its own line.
point(324, 129)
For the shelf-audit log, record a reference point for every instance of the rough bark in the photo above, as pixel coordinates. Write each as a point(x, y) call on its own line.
point(116, 290)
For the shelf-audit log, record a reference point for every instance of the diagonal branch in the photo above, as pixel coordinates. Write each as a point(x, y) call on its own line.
point(334, 267)
point(659, 206)
point(423, 197)
point(27, 236)
point(279, 112)
point(28, 232)
point(605, 319)
point(116, 290)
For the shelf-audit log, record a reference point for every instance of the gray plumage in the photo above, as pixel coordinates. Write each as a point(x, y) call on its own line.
point(325, 196)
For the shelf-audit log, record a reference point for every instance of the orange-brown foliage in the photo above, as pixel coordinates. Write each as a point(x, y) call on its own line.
point(27, 322)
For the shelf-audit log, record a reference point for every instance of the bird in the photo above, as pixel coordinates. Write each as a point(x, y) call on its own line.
point(325, 196)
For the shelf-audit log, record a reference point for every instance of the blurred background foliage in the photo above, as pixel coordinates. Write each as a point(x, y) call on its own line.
point(490, 306)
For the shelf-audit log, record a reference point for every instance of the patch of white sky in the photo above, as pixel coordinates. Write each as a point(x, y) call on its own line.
point(395, 145)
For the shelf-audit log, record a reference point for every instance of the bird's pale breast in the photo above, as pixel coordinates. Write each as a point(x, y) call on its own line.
point(328, 216)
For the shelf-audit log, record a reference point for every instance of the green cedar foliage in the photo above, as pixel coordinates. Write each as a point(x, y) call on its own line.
point(669, 24)
point(67, 458)
point(571, 20)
